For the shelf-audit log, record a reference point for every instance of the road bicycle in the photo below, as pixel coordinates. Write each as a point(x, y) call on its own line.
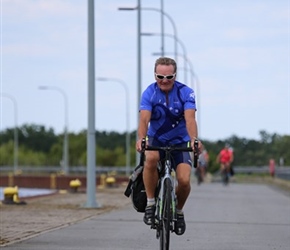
point(165, 214)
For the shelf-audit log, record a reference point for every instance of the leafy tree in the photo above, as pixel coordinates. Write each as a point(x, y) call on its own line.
point(27, 157)
point(106, 157)
point(77, 147)
point(37, 138)
point(42, 147)
point(7, 153)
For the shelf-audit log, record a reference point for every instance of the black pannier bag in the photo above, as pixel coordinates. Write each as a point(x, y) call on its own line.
point(136, 190)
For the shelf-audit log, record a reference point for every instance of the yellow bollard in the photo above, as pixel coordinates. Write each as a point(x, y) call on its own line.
point(53, 181)
point(16, 198)
point(11, 196)
point(110, 181)
point(9, 192)
point(102, 181)
point(74, 185)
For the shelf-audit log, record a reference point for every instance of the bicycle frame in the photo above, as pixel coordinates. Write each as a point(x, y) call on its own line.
point(168, 174)
point(166, 217)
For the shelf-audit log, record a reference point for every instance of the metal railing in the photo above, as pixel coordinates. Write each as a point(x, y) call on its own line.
point(57, 169)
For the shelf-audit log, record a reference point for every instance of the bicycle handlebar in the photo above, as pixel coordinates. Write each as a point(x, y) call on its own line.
point(172, 148)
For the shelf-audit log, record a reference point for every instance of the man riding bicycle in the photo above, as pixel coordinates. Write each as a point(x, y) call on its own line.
point(167, 117)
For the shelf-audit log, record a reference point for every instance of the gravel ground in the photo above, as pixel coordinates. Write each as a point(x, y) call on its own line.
point(43, 214)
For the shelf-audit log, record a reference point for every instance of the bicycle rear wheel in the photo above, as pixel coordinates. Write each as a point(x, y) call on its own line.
point(166, 216)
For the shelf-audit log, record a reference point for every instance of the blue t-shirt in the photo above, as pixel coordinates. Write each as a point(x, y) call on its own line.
point(167, 123)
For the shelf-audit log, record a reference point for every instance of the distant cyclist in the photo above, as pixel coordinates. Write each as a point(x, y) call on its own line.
point(272, 167)
point(225, 158)
point(202, 165)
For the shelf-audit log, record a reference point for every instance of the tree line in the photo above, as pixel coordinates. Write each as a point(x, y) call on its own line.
point(41, 146)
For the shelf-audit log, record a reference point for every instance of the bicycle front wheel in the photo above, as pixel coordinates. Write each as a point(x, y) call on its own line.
point(166, 215)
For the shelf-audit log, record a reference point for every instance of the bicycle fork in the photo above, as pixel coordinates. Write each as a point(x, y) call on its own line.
point(160, 201)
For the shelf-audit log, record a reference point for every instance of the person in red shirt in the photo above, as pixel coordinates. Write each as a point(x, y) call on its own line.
point(225, 158)
point(272, 167)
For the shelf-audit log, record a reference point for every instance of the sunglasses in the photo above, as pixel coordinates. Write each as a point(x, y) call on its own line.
point(161, 77)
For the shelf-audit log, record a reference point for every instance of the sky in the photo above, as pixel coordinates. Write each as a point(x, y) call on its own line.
point(235, 55)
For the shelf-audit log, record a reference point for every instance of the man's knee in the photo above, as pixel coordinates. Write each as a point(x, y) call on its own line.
point(184, 183)
point(183, 177)
point(151, 161)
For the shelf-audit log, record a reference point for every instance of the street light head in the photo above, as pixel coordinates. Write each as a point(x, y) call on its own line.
point(156, 54)
point(102, 79)
point(148, 34)
point(127, 8)
point(42, 87)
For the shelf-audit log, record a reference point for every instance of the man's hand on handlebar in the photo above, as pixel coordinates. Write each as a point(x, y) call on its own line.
point(139, 144)
point(199, 145)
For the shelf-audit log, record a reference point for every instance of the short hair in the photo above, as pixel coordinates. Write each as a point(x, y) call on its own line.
point(165, 61)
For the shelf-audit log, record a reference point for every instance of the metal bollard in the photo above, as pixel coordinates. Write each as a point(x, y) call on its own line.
point(110, 181)
point(11, 196)
point(102, 181)
point(74, 185)
point(52, 181)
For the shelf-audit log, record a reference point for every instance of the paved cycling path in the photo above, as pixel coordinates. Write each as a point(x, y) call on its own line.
point(236, 217)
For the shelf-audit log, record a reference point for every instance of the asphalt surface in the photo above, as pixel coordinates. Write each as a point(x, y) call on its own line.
point(233, 217)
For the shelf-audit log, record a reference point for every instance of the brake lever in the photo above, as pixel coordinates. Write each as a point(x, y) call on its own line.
point(142, 156)
point(195, 153)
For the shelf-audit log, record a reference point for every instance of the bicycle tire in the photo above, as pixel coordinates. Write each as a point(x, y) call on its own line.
point(225, 178)
point(166, 216)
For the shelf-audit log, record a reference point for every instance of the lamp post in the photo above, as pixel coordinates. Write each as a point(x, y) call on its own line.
point(15, 156)
point(65, 163)
point(91, 131)
point(127, 119)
